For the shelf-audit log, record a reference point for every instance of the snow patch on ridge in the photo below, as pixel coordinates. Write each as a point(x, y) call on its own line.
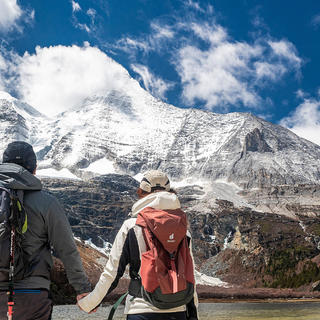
point(205, 280)
point(190, 181)
point(106, 246)
point(101, 166)
point(53, 173)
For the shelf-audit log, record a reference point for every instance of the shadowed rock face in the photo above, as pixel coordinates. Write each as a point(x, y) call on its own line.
point(255, 142)
point(240, 245)
point(97, 208)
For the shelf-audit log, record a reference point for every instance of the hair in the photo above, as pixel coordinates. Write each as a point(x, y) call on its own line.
point(141, 193)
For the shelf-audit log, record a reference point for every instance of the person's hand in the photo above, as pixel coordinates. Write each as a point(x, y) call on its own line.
point(81, 296)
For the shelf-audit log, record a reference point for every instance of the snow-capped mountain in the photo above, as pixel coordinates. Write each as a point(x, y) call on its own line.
point(130, 131)
point(19, 121)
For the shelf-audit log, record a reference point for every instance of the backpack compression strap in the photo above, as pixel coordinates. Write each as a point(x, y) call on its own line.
point(116, 305)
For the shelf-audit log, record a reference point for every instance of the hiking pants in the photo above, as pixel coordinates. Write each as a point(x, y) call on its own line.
point(28, 305)
point(158, 316)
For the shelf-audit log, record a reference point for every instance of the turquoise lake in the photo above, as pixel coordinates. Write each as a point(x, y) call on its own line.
point(216, 311)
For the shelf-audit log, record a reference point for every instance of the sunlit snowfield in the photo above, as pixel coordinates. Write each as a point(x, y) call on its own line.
point(216, 311)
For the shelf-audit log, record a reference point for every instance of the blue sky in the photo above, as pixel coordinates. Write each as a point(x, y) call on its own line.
point(224, 56)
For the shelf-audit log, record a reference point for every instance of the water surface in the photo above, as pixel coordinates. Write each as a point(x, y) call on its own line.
point(215, 311)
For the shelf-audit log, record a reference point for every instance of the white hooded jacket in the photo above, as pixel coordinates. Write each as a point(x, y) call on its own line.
point(128, 241)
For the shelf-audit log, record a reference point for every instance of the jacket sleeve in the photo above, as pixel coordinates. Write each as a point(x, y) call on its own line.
point(114, 269)
point(62, 240)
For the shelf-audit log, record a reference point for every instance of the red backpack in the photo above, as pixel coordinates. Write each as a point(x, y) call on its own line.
point(167, 274)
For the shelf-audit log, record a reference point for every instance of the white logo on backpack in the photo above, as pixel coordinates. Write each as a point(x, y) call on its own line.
point(171, 238)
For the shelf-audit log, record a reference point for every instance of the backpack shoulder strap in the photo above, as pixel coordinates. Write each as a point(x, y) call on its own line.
point(19, 217)
point(20, 195)
point(4, 204)
point(148, 237)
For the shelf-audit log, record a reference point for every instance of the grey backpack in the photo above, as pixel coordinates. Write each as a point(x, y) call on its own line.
point(13, 225)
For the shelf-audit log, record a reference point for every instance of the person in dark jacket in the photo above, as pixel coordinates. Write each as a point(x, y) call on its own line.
point(128, 247)
point(48, 228)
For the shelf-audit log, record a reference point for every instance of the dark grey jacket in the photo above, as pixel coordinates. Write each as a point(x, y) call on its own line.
point(48, 227)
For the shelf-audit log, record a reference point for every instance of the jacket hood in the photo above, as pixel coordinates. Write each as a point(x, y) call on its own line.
point(13, 176)
point(158, 200)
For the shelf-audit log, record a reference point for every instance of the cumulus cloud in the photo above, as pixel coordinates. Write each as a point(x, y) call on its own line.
point(10, 12)
point(152, 83)
point(212, 76)
point(229, 72)
point(305, 120)
point(56, 78)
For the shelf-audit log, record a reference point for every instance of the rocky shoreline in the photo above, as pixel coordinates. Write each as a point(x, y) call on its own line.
point(233, 294)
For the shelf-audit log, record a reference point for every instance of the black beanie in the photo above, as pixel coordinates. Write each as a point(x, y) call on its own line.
point(21, 153)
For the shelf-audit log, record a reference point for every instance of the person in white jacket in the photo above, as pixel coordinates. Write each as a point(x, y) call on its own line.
point(127, 248)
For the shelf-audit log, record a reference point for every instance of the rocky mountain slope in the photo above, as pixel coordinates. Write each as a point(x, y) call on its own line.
point(237, 244)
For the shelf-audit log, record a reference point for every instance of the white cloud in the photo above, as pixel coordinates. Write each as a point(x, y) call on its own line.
point(130, 45)
point(266, 70)
point(287, 51)
point(10, 12)
point(153, 84)
point(209, 76)
point(159, 35)
point(75, 6)
point(212, 34)
point(214, 69)
point(2, 69)
point(81, 22)
point(315, 22)
point(8, 62)
point(91, 12)
point(83, 26)
point(57, 78)
point(300, 94)
point(228, 72)
point(160, 32)
point(305, 120)
point(196, 6)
